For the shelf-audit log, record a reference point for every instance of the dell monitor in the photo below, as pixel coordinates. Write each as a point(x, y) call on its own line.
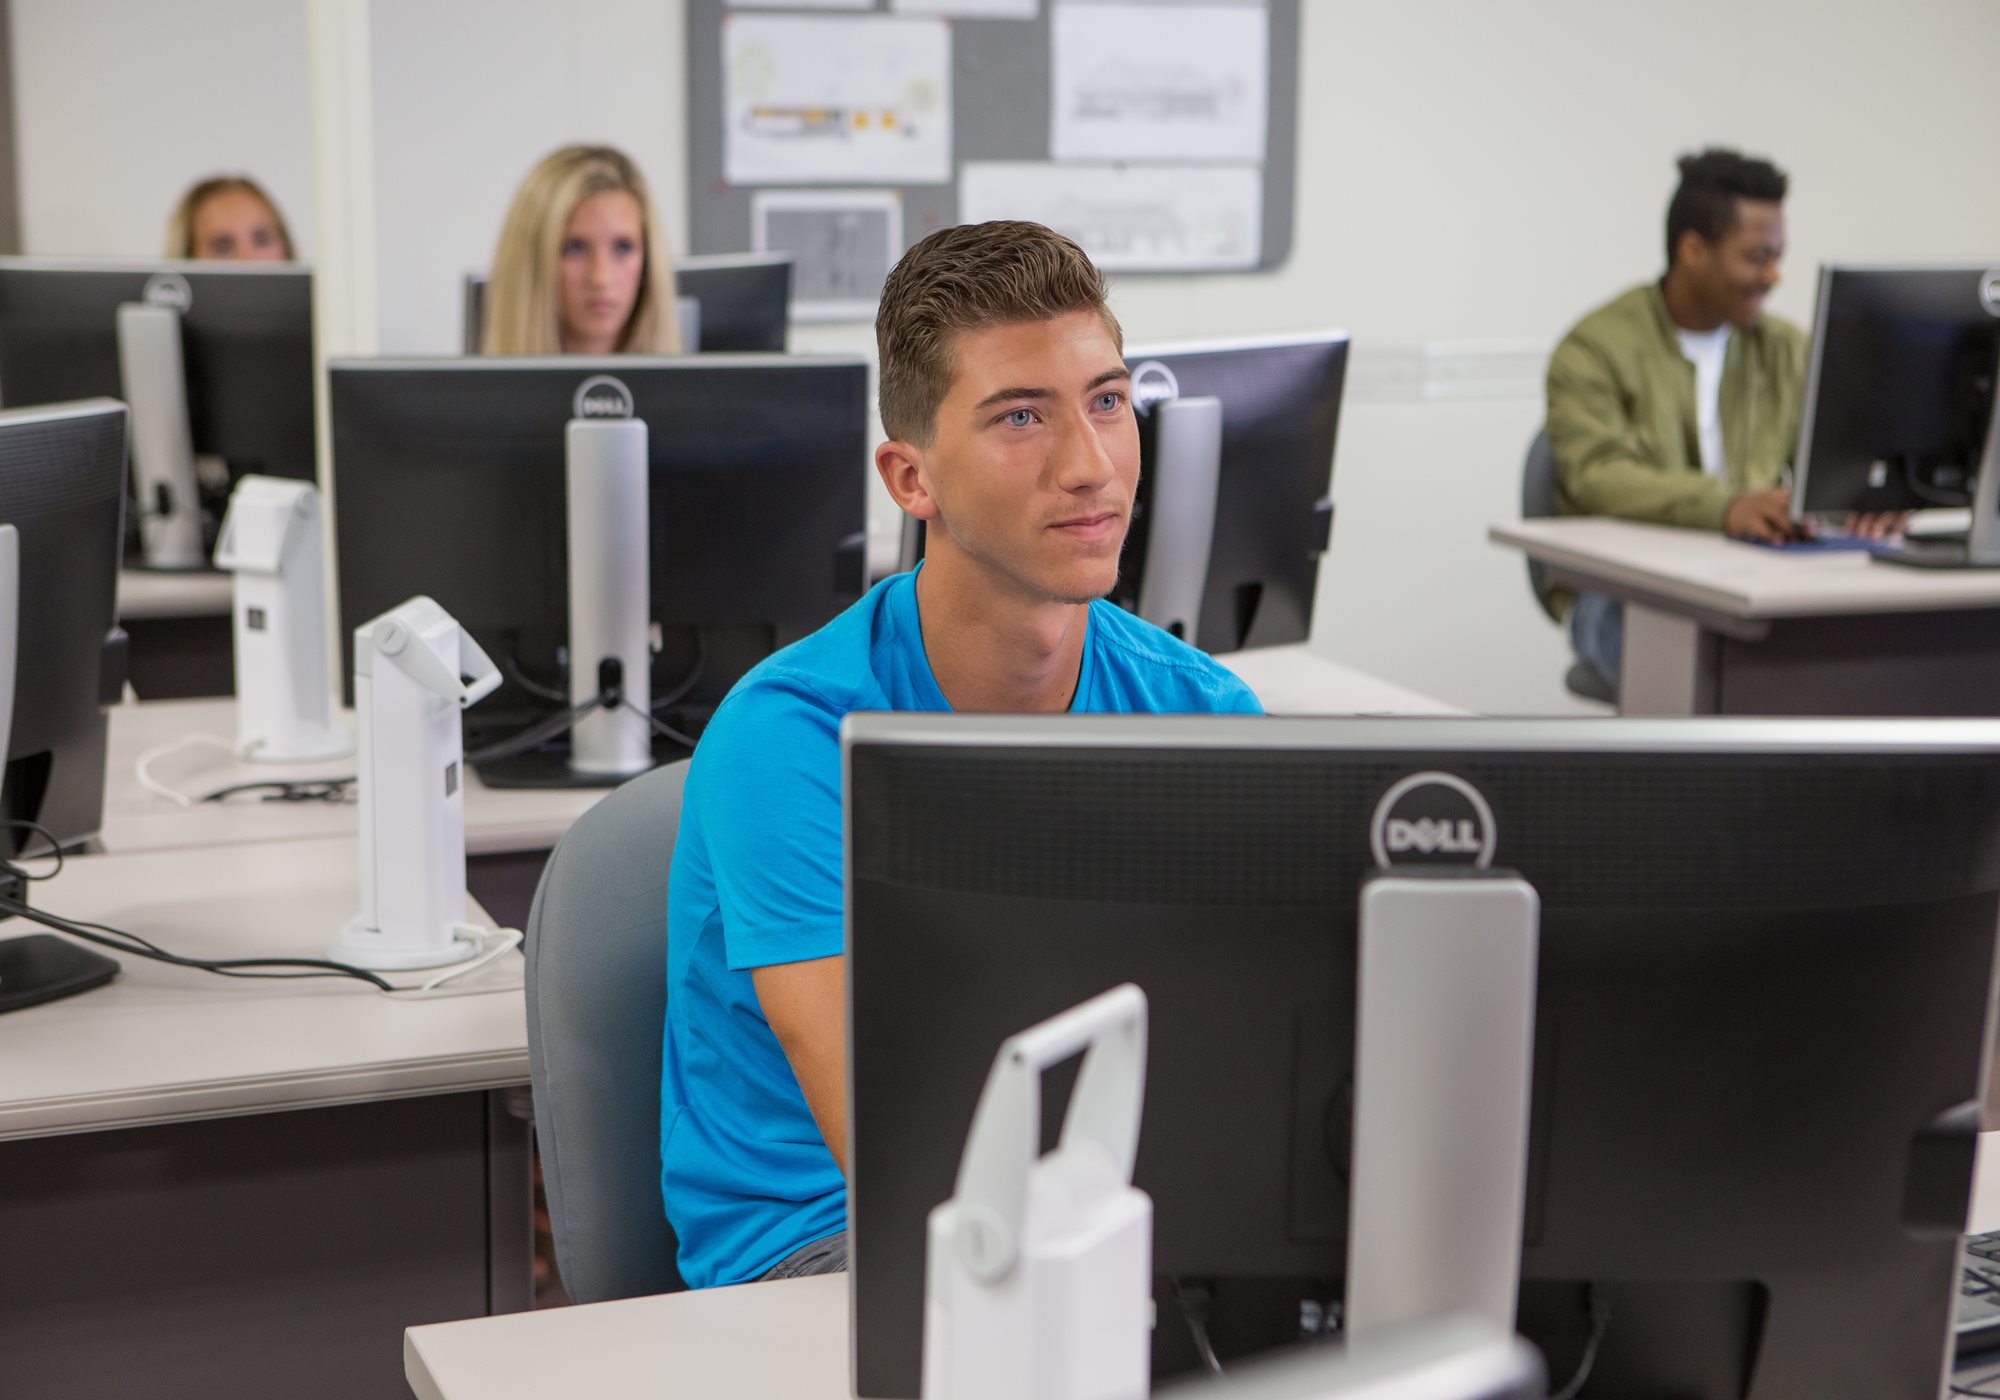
point(62, 501)
point(741, 303)
point(1246, 559)
point(1899, 402)
point(450, 481)
point(1766, 962)
point(214, 359)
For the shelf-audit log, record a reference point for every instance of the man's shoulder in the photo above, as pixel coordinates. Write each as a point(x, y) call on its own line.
point(1164, 666)
point(811, 684)
point(1786, 338)
point(1623, 319)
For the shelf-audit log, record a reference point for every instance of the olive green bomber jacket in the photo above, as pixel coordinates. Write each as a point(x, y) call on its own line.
point(1622, 415)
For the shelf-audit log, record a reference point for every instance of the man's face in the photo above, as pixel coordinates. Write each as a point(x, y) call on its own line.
point(1036, 455)
point(1736, 273)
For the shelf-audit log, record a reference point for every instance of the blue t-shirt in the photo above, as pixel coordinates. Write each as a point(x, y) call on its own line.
point(757, 881)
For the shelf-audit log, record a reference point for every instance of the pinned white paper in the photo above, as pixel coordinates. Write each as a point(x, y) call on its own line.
point(1182, 218)
point(842, 242)
point(1159, 82)
point(824, 99)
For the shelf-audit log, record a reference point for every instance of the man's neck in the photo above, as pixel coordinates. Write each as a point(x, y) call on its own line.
point(1684, 308)
point(993, 650)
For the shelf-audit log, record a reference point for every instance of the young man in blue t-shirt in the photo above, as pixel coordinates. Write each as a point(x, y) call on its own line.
point(1003, 387)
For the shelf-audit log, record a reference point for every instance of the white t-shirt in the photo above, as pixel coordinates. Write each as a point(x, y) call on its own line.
point(1705, 350)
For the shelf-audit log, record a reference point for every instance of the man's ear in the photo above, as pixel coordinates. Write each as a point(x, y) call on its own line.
point(902, 467)
point(1692, 252)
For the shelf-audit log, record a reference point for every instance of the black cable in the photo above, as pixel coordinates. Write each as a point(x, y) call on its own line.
point(535, 735)
point(1600, 1320)
point(690, 680)
point(660, 725)
point(122, 941)
point(1982, 1394)
point(55, 849)
point(1195, 1301)
point(511, 664)
point(288, 790)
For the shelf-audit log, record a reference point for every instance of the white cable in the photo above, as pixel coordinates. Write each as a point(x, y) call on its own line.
point(509, 940)
point(143, 767)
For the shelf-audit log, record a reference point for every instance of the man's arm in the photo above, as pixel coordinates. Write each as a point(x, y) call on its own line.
point(806, 1006)
point(1600, 465)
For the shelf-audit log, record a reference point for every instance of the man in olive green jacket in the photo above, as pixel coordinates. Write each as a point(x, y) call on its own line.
point(1678, 403)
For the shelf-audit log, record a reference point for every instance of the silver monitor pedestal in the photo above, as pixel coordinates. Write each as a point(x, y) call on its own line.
point(610, 593)
point(1187, 470)
point(155, 384)
point(1444, 1051)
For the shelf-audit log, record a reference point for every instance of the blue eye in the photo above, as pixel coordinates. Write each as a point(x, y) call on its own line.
point(1109, 400)
point(1020, 418)
point(572, 247)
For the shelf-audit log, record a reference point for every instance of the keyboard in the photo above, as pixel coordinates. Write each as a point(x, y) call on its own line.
point(1979, 1294)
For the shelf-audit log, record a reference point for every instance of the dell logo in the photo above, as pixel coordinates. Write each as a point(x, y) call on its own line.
point(1153, 382)
point(1989, 292)
point(602, 396)
point(168, 289)
point(1432, 818)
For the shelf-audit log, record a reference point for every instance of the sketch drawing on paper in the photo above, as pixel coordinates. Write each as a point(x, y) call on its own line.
point(1129, 219)
point(825, 100)
point(842, 242)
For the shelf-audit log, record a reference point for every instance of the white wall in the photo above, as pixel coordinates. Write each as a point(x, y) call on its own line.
point(120, 105)
point(469, 94)
point(1472, 177)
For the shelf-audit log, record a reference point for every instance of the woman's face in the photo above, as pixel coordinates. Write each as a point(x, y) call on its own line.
point(603, 256)
point(237, 224)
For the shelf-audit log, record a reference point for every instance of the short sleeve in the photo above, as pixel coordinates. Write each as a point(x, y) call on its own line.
point(766, 789)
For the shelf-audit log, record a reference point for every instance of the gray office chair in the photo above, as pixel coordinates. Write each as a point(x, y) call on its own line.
point(1538, 502)
point(597, 997)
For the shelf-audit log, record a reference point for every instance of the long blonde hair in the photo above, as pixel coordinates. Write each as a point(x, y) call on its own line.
point(523, 289)
point(180, 223)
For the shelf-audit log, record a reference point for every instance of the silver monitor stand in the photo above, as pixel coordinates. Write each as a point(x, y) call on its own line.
point(154, 377)
point(1187, 470)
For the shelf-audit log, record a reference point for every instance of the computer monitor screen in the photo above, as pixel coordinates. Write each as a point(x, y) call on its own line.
point(62, 488)
point(1767, 953)
point(246, 341)
point(1273, 515)
point(1900, 387)
point(449, 480)
point(745, 301)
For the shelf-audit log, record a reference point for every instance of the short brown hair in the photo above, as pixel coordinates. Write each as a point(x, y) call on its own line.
point(967, 278)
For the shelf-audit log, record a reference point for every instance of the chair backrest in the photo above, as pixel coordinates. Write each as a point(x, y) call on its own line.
point(1538, 502)
point(597, 994)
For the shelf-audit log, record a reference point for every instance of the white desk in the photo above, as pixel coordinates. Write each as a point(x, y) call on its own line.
point(784, 1339)
point(755, 1340)
point(497, 820)
point(1293, 680)
point(1717, 626)
point(187, 1161)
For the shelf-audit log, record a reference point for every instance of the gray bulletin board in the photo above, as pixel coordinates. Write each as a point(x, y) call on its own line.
point(844, 231)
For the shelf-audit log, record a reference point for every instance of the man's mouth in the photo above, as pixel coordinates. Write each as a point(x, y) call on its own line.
point(1088, 527)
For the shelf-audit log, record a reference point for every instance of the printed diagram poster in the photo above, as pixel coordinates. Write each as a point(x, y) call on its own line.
point(1142, 218)
point(842, 242)
point(823, 99)
point(1158, 82)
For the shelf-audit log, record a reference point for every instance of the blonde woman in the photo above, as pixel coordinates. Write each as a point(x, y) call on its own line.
point(582, 266)
point(229, 217)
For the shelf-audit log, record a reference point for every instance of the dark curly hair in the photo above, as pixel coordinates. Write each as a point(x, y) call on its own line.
point(1711, 183)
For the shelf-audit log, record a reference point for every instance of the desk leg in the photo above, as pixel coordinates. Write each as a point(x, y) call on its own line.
point(510, 1201)
point(1670, 666)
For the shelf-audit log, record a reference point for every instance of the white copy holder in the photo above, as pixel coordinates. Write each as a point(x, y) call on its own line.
point(1038, 1276)
point(412, 666)
point(274, 543)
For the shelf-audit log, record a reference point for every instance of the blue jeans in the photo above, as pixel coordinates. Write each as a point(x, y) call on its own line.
point(1597, 634)
point(827, 1256)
